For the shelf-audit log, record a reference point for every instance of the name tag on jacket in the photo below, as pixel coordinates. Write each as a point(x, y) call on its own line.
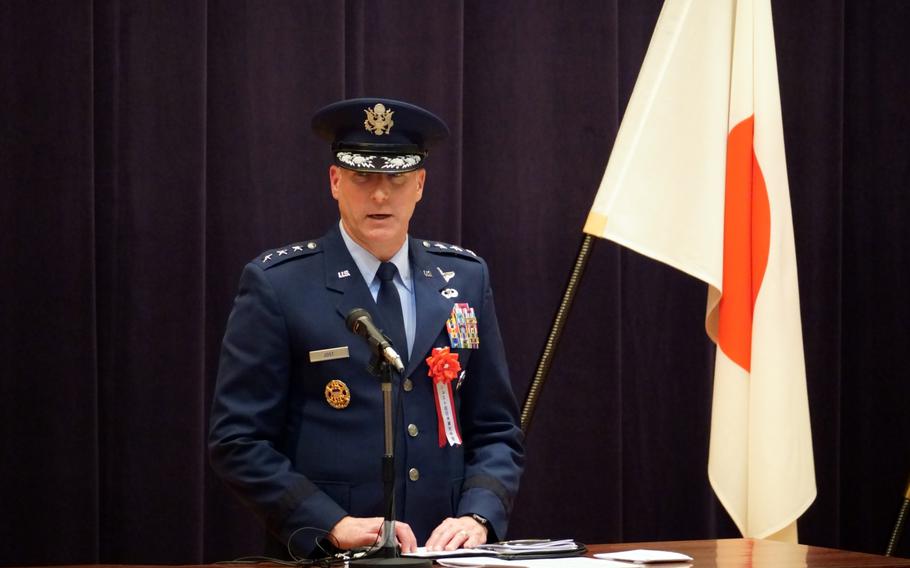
point(329, 354)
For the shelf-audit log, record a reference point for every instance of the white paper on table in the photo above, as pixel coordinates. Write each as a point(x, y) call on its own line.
point(644, 556)
point(422, 552)
point(564, 562)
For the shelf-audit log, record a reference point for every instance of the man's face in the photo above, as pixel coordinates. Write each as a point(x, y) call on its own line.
point(376, 208)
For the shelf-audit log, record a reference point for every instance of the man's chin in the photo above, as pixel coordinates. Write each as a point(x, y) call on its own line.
point(384, 237)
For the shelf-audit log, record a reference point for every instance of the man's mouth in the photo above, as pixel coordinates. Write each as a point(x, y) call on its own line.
point(379, 216)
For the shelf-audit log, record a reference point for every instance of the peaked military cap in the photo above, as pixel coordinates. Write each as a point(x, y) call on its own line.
point(378, 135)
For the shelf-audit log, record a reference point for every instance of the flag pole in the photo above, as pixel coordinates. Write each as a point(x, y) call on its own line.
point(559, 322)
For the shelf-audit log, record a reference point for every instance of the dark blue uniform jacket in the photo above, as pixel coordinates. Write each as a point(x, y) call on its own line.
point(299, 462)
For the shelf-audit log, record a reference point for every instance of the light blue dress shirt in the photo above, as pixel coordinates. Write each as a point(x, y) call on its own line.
point(404, 282)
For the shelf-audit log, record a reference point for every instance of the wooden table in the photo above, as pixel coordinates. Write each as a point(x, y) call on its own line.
point(726, 553)
point(752, 553)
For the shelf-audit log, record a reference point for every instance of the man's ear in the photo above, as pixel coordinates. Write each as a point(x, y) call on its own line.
point(421, 180)
point(334, 179)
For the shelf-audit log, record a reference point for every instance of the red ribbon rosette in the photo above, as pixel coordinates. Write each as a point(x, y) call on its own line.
point(443, 369)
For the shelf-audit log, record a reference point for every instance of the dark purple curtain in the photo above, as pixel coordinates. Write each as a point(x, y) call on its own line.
point(149, 149)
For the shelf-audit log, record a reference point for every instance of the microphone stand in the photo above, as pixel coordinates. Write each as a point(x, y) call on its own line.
point(388, 555)
point(380, 368)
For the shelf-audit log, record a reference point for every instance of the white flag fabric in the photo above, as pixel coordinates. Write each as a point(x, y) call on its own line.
point(697, 179)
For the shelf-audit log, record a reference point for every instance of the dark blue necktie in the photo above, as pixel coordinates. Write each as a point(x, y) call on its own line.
point(389, 304)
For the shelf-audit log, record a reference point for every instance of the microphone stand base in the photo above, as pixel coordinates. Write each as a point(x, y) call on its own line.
point(401, 562)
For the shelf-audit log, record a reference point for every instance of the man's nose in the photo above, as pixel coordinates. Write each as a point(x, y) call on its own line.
point(381, 191)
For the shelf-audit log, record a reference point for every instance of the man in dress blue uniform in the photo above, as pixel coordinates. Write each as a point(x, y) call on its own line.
point(297, 419)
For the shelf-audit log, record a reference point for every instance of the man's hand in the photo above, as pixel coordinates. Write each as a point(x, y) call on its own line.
point(452, 533)
point(351, 532)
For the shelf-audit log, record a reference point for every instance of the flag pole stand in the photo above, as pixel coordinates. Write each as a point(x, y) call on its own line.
point(559, 322)
point(899, 524)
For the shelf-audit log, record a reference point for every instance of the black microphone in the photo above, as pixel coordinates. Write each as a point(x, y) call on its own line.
point(360, 322)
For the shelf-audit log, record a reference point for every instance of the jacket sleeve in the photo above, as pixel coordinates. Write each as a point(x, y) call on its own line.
point(493, 440)
point(248, 415)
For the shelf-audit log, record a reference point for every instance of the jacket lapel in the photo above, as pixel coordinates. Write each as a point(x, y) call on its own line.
point(432, 308)
point(342, 276)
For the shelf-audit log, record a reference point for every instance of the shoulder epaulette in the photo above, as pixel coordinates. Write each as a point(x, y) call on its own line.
point(445, 248)
point(277, 256)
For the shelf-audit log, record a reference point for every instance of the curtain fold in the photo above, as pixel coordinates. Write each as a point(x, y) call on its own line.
point(874, 264)
point(49, 456)
point(151, 62)
point(149, 150)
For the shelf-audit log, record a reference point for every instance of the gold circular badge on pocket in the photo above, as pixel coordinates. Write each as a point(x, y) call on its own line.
point(337, 394)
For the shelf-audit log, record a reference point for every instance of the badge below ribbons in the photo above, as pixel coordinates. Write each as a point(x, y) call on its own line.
point(337, 394)
point(462, 328)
